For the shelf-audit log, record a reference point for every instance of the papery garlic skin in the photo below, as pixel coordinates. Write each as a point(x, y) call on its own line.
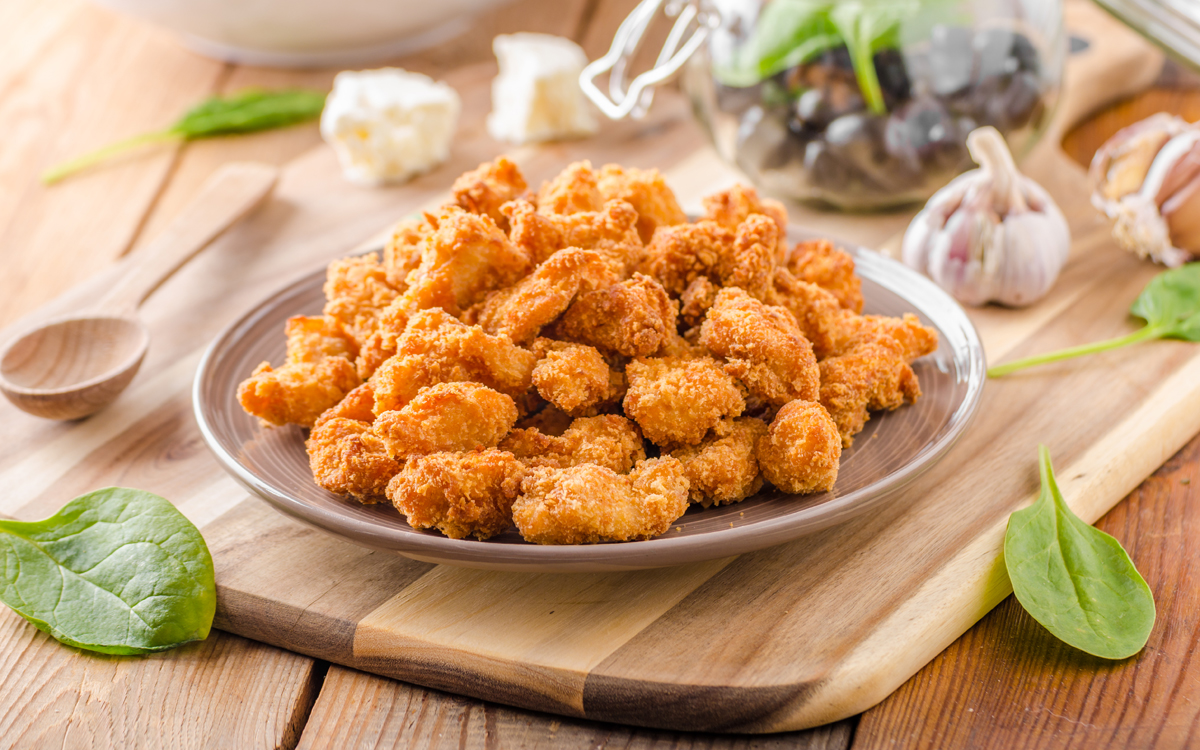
point(992, 234)
point(1147, 179)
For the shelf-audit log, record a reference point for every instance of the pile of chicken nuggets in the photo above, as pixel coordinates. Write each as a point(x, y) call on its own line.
point(583, 362)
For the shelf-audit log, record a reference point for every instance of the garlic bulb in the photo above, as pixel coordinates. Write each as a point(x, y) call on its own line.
point(992, 234)
point(1147, 179)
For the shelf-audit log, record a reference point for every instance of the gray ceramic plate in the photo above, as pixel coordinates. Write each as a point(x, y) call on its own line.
point(893, 449)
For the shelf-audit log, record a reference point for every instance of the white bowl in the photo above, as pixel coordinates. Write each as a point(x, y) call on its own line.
point(306, 33)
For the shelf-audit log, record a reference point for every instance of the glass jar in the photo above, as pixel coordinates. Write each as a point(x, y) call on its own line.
point(861, 104)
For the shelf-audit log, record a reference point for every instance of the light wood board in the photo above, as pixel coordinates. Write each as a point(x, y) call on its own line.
point(796, 635)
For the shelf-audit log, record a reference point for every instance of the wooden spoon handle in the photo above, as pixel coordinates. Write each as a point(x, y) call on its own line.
point(227, 196)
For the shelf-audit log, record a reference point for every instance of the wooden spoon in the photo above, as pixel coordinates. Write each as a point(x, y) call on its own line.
point(71, 367)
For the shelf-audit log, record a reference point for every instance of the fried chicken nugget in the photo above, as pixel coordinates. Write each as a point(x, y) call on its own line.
point(311, 339)
point(915, 340)
point(402, 252)
point(819, 262)
point(677, 401)
point(447, 417)
point(459, 494)
point(633, 318)
point(522, 310)
point(872, 376)
point(731, 207)
point(437, 348)
point(572, 377)
point(830, 328)
point(359, 405)
point(801, 450)
point(464, 257)
point(347, 458)
point(608, 440)
point(646, 191)
point(587, 504)
point(357, 290)
point(611, 230)
point(484, 189)
point(297, 393)
point(742, 256)
point(573, 190)
point(763, 346)
point(722, 469)
point(695, 301)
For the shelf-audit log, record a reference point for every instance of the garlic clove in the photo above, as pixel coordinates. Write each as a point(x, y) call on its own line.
point(991, 235)
point(1181, 215)
point(1144, 178)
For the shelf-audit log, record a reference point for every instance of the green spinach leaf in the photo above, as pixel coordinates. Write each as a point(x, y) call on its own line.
point(245, 112)
point(1074, 579)
point(1170, 305)
point(787, 33)
point(868, 27)
point(117, 570)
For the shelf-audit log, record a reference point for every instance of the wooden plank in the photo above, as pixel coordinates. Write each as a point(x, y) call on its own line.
point(60, 104)
point(223, 692)
point(361, 710)
point(1009, 683)
point(199, 159)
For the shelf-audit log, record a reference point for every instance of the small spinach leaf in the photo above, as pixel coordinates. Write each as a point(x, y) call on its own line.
point(244, 112)
point(1074, 579)
point(787, 33)
point(117, 570)
point(1170, 305)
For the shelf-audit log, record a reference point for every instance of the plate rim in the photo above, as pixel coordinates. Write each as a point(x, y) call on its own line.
point(661, 551)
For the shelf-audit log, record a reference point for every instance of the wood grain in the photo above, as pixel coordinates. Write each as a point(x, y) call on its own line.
point(358, 710)
point(1008, 682)
point(223, 692)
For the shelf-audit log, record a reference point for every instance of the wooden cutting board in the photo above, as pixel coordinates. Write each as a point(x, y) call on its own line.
point(789, 637)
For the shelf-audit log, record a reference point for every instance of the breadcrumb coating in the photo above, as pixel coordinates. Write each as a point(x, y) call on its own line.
point(763, 347)
point(359, 405)
point(572, 377)
point(611, 230)
point(437, 348)
point(522, 310)
point(633, 318)
point(348, 459)
point(573, 190)
point(677, 401)
point(694, 303)
point(489, 186)
point(356, 291)
point(873, 375)
point(646, 191)
point(731, 207)
point(402, 253)
point(722, 469)
point(801, 450)
point(819, 262)
point(447, 417)
point(297, 393)
point(311, 339)
point(459, 494)
point(587, 504)
point(608, 440)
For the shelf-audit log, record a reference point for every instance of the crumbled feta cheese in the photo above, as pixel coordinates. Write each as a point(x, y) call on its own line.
point(537, 97)
point(389, 125)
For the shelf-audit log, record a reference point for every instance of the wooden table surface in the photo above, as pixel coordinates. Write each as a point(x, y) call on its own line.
point(73, 77)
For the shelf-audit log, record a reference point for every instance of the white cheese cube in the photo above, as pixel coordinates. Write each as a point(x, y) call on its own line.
point(537, 97)
point(389, 125)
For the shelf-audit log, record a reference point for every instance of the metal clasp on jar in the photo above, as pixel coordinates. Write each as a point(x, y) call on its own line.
point(635, 100)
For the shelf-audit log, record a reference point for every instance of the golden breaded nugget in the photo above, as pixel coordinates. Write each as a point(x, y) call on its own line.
point(677, 401)
point(587, 504)
point(459, 494)
point(722, 469)
point(447, 417)
point(608, 440)
point(801, 449)
point(297, 393)
point(633, 318)
point(646, 191)
point(347, 458)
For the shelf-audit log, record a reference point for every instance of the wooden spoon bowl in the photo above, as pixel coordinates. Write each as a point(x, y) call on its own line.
point(71, 367)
